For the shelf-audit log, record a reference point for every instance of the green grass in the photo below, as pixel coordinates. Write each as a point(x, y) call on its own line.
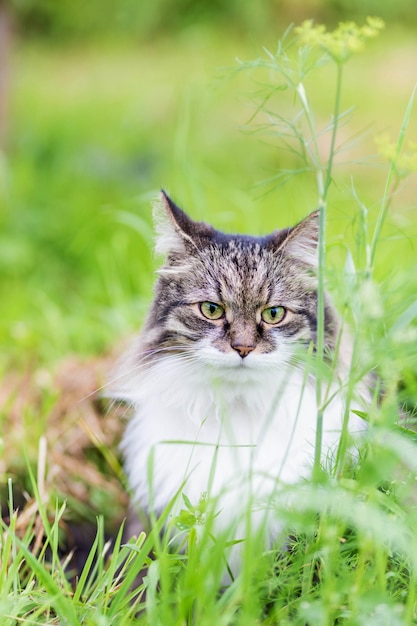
point(95, 132)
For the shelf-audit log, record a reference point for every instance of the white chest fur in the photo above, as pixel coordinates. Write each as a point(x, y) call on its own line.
point(237, 439)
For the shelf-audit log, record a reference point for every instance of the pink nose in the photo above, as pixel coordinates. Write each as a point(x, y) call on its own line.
point(243, 350)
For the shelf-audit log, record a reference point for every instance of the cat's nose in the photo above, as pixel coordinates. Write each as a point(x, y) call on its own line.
point(243, 350)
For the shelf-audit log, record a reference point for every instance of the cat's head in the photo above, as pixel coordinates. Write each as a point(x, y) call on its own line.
point(234, 301)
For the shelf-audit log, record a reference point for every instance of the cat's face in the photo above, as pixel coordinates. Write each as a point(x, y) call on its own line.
point(234, 301)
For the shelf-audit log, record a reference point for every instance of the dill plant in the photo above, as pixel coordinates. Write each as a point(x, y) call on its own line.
point(293, 62)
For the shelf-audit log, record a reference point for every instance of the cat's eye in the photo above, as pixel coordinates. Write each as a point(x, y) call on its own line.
point(273, 314)
point(211, 310)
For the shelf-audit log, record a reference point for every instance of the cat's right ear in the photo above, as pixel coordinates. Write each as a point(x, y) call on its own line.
point(300, 241)
point(177, 233)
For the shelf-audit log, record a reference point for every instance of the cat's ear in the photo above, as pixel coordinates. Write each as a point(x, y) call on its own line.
point(301, 241)
point(176, 232)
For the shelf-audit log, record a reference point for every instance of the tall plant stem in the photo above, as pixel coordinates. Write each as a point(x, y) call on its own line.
point(336, 113)
point(389, 184)
point(322, 206)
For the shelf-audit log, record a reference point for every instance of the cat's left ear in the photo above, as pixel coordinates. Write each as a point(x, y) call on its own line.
point(301, 241)
point(176, 232)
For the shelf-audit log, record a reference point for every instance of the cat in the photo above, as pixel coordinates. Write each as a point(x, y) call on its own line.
point(223, 401)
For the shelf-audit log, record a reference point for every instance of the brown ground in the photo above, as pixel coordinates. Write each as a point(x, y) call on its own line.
point(61, 423)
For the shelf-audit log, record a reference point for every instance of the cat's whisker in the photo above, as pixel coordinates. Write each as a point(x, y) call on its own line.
point(138, 375)
point(144, 363)
point(167, 357)
point(141, 365)
point(119, 376)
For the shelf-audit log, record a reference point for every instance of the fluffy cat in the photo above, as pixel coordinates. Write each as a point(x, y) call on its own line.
point(222, 402)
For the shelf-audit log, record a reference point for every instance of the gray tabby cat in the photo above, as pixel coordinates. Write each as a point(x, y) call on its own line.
point(222, 404)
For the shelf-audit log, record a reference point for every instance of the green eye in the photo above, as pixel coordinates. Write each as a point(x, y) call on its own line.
point(273, 314)
point(211, 310)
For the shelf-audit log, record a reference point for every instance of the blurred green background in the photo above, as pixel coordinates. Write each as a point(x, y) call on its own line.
point(104, 102)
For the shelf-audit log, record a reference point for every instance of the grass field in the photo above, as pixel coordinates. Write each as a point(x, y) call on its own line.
point(95, 132)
